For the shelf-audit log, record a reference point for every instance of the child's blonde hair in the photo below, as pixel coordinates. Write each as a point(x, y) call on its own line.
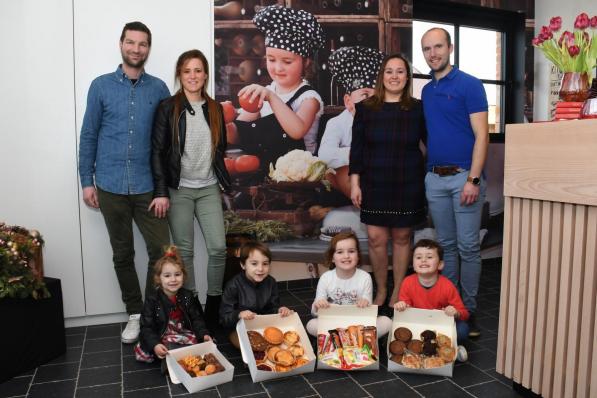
point(329, 253)
point(170, 256)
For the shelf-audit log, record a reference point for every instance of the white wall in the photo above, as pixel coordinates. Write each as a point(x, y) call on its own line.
point(52, 50)
point(544, 11)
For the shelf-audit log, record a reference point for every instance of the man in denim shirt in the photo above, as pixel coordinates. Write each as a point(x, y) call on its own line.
point(115, 148)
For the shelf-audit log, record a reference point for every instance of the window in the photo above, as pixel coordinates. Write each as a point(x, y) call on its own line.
point(486, 44)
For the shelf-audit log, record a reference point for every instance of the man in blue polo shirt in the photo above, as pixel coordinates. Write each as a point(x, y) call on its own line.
point(455, 107)
point(114, 164)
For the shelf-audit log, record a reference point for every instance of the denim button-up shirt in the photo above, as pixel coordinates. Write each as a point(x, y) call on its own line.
point(115, 144)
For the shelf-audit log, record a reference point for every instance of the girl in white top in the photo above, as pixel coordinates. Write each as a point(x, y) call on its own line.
point(344, 283)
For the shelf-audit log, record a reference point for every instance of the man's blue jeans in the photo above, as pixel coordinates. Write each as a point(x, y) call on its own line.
point(457, 229)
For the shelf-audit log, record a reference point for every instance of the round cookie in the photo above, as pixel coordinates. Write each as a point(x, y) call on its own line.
point(446, 353)
point(443, 340)
point(273, 335)
point(403, 334)
point(291, 338)
point(433, 362)
point(397, 347)
point(415, 346)
point(429, 348)
point(428, 335)
point(396, 358)
point(257, 341)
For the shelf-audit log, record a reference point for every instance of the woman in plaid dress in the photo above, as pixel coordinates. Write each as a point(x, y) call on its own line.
point(387, 170)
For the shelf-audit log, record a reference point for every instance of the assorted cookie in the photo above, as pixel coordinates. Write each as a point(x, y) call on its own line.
point(276, 351)
point(431, 351)
point(197, 365)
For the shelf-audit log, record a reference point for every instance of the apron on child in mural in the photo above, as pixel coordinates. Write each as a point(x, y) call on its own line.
point(265, 137)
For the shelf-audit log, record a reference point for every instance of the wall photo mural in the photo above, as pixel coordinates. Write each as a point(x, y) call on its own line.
point(289, 73)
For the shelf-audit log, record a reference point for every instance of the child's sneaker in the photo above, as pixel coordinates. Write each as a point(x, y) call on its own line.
point(130, 334)
point(461, 354)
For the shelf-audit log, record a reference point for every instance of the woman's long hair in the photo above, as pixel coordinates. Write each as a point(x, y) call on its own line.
point(213, 110)
point(406, 100)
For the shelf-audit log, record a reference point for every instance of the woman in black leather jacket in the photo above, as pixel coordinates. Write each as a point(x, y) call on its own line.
point(188, 144)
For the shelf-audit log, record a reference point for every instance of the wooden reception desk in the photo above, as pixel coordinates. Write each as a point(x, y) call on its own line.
point(547, 338)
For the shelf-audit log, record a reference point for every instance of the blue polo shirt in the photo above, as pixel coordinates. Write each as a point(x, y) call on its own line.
point(447, 104)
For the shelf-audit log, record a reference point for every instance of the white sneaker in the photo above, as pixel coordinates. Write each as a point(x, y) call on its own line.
point(461, 354)
point(130, 334)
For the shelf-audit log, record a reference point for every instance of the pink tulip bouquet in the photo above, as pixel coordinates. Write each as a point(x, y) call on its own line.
point(574, 51)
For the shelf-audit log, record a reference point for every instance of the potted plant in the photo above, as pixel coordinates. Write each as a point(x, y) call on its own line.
point(573, 53)
point(21, 263)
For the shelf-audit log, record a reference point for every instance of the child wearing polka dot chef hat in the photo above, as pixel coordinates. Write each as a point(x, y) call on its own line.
point(283, 115)
point(355, 69)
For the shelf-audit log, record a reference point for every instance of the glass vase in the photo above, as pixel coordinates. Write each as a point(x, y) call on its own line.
point(574, 87)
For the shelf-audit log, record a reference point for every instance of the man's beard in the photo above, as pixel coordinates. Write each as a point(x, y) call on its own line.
point(443, 67)
point(128, 62)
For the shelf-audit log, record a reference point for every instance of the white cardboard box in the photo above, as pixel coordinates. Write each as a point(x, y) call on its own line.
point(419, 320)
point(194, 384)
point(291, 322)
point(343, 316)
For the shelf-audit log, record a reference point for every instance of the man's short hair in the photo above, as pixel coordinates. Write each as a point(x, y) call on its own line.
point(138, 26)
point(446, 33)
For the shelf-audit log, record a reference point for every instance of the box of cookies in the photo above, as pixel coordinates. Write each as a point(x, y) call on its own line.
point(347, 338)
point(275, 347)
point(423, 342)
point(199, 366)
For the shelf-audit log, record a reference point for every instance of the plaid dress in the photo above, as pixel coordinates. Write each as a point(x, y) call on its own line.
point(175, 334)
point(385, 153)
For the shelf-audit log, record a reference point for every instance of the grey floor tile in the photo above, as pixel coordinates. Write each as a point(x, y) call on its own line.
point(95, 359)
point(74, 340)
point(99, 376)
point(71, 355)
point(391, 389)
point(110, 330)
point(493, 389)
point(340, 389)
point(213, 393)
point(242, 385)
point(159, 392)
point(442, 389)
point(414, 380)
point(129, 364)
point(103, 344)
point(466, 375)
point(60, 389)
point(75, 330)
point(487, 341)
point(288, 387)
point(104, 391)
point(63, 371)
point(499, 377)
point(15, 386)
point(143, 379)
point(320, 376)
point(483, 359)
point(372, 376)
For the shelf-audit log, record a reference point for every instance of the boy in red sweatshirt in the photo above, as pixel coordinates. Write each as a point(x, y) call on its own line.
point(427, 289)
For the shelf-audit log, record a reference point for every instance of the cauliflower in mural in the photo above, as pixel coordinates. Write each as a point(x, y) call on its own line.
point(299, 166)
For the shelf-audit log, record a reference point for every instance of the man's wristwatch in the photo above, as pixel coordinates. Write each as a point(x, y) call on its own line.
point(474, 180)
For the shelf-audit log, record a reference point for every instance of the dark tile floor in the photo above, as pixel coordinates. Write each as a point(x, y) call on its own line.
point(96, 364)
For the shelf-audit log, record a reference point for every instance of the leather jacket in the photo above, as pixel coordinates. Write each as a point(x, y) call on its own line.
point(241, 294)
point(166, 158)
point(154, 318)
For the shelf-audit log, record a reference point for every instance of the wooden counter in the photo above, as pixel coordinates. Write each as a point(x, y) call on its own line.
point(547, 340)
